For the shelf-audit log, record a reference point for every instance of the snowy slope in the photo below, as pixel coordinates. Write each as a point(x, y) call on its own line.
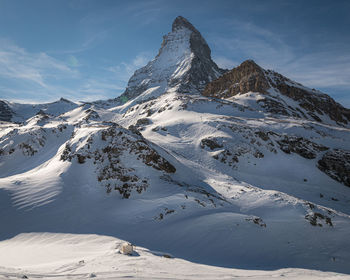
point(277, 95)
point(183, 63)
point(176, 196)
point(215, 180)
point(89, 256)
point(16, 112)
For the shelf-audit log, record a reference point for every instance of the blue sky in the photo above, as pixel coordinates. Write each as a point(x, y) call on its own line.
point(87, 49)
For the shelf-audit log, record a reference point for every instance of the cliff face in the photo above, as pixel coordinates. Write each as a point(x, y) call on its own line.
point(305, 102)
point(183, 62)
point(242, 177)
point(5, 112)
point(246, 77)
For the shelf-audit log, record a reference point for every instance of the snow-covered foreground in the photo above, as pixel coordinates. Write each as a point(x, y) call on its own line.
point(201, 180)
point(76, 256)
point(256, 181)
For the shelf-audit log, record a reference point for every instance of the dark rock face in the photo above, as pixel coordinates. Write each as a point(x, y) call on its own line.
point(317, 219)
point(142, 122)
point(274, 106)
point(310, 101)
point(112, 171)
point(250, 77)
point(5, 112)
point(203, 69)
point(180, 22)
point(300, 146)
point(211, 143)
point(183, 61)
point(336, 164)
point(246, 77)
point(91, 115)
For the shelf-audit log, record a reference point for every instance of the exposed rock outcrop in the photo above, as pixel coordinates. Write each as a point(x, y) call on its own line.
point(114, 144)
point(274, 87)
point(183, 62)
point(312, 102)
point(300, 146)
point(246, 77)
point(336, 164)
point(5, 112)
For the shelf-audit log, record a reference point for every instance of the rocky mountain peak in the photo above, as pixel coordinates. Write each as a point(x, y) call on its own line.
point(183, 63)
point(65, 100)
point(5, 111)
point(273, 89)
point(180, 22)
point(250, 62)
point(248, 76)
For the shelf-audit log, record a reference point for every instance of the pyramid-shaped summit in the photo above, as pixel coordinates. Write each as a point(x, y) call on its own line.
point(180, 22)
point(183, 63)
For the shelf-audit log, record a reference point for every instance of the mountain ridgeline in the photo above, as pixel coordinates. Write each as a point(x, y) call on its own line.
point(183, 63)
point(238, 168)
point(250, 77)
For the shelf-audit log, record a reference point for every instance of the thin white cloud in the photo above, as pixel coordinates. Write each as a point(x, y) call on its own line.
point(124, 70)
point(39, 77)
point(18, 64)
point(100, 87)
point(141, 60)
point(321, 70)
point(93, 39)
point(325, 68)
point(224, 62)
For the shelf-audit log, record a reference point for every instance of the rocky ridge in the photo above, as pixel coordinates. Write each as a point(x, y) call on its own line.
point(183, 62)
point(250, 77)
point(5, 112)
point(17, 112)
point(264, 179)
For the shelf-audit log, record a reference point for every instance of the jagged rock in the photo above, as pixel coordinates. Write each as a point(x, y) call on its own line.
point(41, 113)
point(183, 62)
point(312, 102)
point(246, 77)
point(5, 112)
point(250, 77)
point(257, 221)
point(211, 143)
point(336, 164)
point(263, 135)
point(273, 106)
point(29, 143)
point(142, 122)
point(112, 171)
point(300, 146)
point(65, 100)
point(91, 115)
point(316, 219)
point(19, 113)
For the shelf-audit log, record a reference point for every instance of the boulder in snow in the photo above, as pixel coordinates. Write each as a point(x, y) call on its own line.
point(126, 249)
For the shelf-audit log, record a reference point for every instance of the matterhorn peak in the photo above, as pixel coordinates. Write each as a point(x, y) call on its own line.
point(180, 22)
point(183, 64)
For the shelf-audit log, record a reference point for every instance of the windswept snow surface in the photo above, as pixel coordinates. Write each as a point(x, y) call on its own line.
point(227, 187)
point(173, 189)
point(77, 256)
point(172, 62)
point(22, 112)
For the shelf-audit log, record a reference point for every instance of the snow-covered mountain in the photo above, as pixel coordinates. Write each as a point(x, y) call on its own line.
point(242, 169)
point(277, 94)
point(17, 112)
point(183, 64)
